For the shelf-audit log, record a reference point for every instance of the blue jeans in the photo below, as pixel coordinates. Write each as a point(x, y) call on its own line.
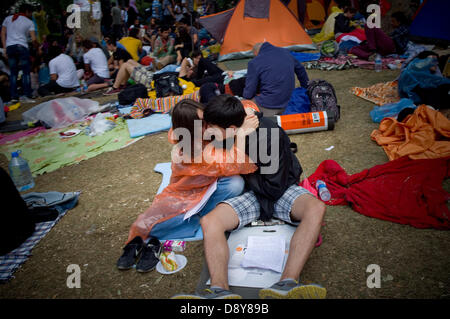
point(19, 58)
point(177, 228)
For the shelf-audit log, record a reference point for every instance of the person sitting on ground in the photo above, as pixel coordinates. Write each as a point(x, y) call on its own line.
point(270, 78)
point(183, 44)
point(132, 44)
point(74, 49)
point(63, 74)
point(131, 69)
point(195, 166)
point(201, 70)
point(163, 51)
point(400, 35)
point(342, 22)
point(96, 66)
point(142, 35)
point(193, 32)
point(377, 42)
point(118, 57)
point(271, 191)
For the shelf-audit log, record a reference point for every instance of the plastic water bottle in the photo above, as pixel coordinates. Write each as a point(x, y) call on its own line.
point(20, 172)
point(378, 63)
point(324, 193)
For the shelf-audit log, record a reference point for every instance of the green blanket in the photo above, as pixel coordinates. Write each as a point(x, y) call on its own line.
point(47, 151)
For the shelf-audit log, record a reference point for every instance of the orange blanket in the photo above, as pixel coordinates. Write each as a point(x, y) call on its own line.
point(423, 134)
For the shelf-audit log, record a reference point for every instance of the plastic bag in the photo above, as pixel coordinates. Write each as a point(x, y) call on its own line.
point(390, 110)
point(102, 123)
point(59, 113)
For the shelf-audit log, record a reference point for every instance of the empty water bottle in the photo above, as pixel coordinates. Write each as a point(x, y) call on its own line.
point(20, 172)
point(324, 193)
point(378, 63)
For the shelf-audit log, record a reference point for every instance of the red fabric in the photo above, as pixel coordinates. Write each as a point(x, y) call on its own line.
point(403, 191)
point(15, 16)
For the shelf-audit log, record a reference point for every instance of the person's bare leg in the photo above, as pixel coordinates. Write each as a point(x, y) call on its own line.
point(184, 67)
point(97, 86)
point(310, 211)
point(214, 224)
point(125, 71)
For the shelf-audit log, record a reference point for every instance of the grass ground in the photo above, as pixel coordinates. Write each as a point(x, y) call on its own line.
point(117, 186)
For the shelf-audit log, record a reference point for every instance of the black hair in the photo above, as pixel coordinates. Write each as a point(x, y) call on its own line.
point(87, 44)
point(165, 27)
point(196, 53)
point(134, 32)
point(111, 41)
point(224, 110)
point(400, 17)
point(53, 52)
point(185, 20)
point(426, 54)
point(350, 9)
point(24, 7)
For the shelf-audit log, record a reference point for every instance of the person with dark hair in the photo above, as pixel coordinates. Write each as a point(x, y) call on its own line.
point(15, 31)
point(199, 70)
point(271, 192)
point(95, 63)
point(401, 31)
point(342, 22)
point(63, 74)
point(119, 55)
point(163, 51)
point(183, 44)
point(270, 78)
point(193, 32)
point(195, 167)
point(132, 44)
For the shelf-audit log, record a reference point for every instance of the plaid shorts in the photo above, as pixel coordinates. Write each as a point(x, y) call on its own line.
point(142, 76)
point(247, 206)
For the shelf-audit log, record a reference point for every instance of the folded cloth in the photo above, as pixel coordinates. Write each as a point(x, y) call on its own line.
point(380, 93)
point(62, 202)
point(403, 191)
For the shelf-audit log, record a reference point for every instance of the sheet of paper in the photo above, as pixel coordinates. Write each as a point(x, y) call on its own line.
point(197, 208)
point(265, 252)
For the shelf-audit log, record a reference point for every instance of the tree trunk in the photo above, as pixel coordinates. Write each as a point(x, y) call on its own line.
point(90, 27)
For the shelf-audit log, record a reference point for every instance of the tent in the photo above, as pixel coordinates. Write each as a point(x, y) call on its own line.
point(431, 20)
point(311, 13)
point(253, 21)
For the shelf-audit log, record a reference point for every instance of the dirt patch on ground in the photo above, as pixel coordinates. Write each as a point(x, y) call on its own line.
point(117, 186)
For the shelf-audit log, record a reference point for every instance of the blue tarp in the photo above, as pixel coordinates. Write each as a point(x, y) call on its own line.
point(432, 21)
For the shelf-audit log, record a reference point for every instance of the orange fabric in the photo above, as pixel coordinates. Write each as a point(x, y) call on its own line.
point(282, 29)
point(250, 104)
point(423, 134)
point(380, 93)
point(188, 185)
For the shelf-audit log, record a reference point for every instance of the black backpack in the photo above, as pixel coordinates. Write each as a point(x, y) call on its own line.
point(167, 83)
point(323, 98)
point(131, 93)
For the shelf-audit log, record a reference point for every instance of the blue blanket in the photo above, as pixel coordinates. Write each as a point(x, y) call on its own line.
point(148, 125)
point(305, 57)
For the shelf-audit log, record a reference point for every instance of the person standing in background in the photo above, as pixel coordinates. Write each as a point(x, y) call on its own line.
point(15, 32)
point(116, 21)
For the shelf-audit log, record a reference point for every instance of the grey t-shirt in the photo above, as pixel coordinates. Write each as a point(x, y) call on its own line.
point(116, 15)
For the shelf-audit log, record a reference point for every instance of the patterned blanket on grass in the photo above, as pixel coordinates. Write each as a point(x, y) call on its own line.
point(380, 93)
point(47, 151)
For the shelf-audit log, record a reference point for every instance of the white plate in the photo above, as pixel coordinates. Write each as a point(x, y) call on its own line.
point(71, 133)
point(181, 262)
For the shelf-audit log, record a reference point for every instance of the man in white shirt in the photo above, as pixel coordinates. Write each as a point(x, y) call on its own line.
point(15, 32)
point(63, 73)
point(95, 63)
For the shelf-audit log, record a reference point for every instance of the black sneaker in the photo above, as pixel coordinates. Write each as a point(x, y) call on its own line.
point(130, 253)
point(150, 256)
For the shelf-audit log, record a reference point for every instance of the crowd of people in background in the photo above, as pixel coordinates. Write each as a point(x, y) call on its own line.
point(59, 60)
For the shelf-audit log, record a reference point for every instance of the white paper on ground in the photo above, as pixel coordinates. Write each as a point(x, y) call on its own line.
point(194, 210)
point(265, 252)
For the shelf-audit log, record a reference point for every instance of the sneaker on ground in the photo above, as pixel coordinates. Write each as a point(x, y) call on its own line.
point(130, 253)
point(26, 99)
point(150, 256)
point(212, 293)
point(291, 289)
point(112, 90)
